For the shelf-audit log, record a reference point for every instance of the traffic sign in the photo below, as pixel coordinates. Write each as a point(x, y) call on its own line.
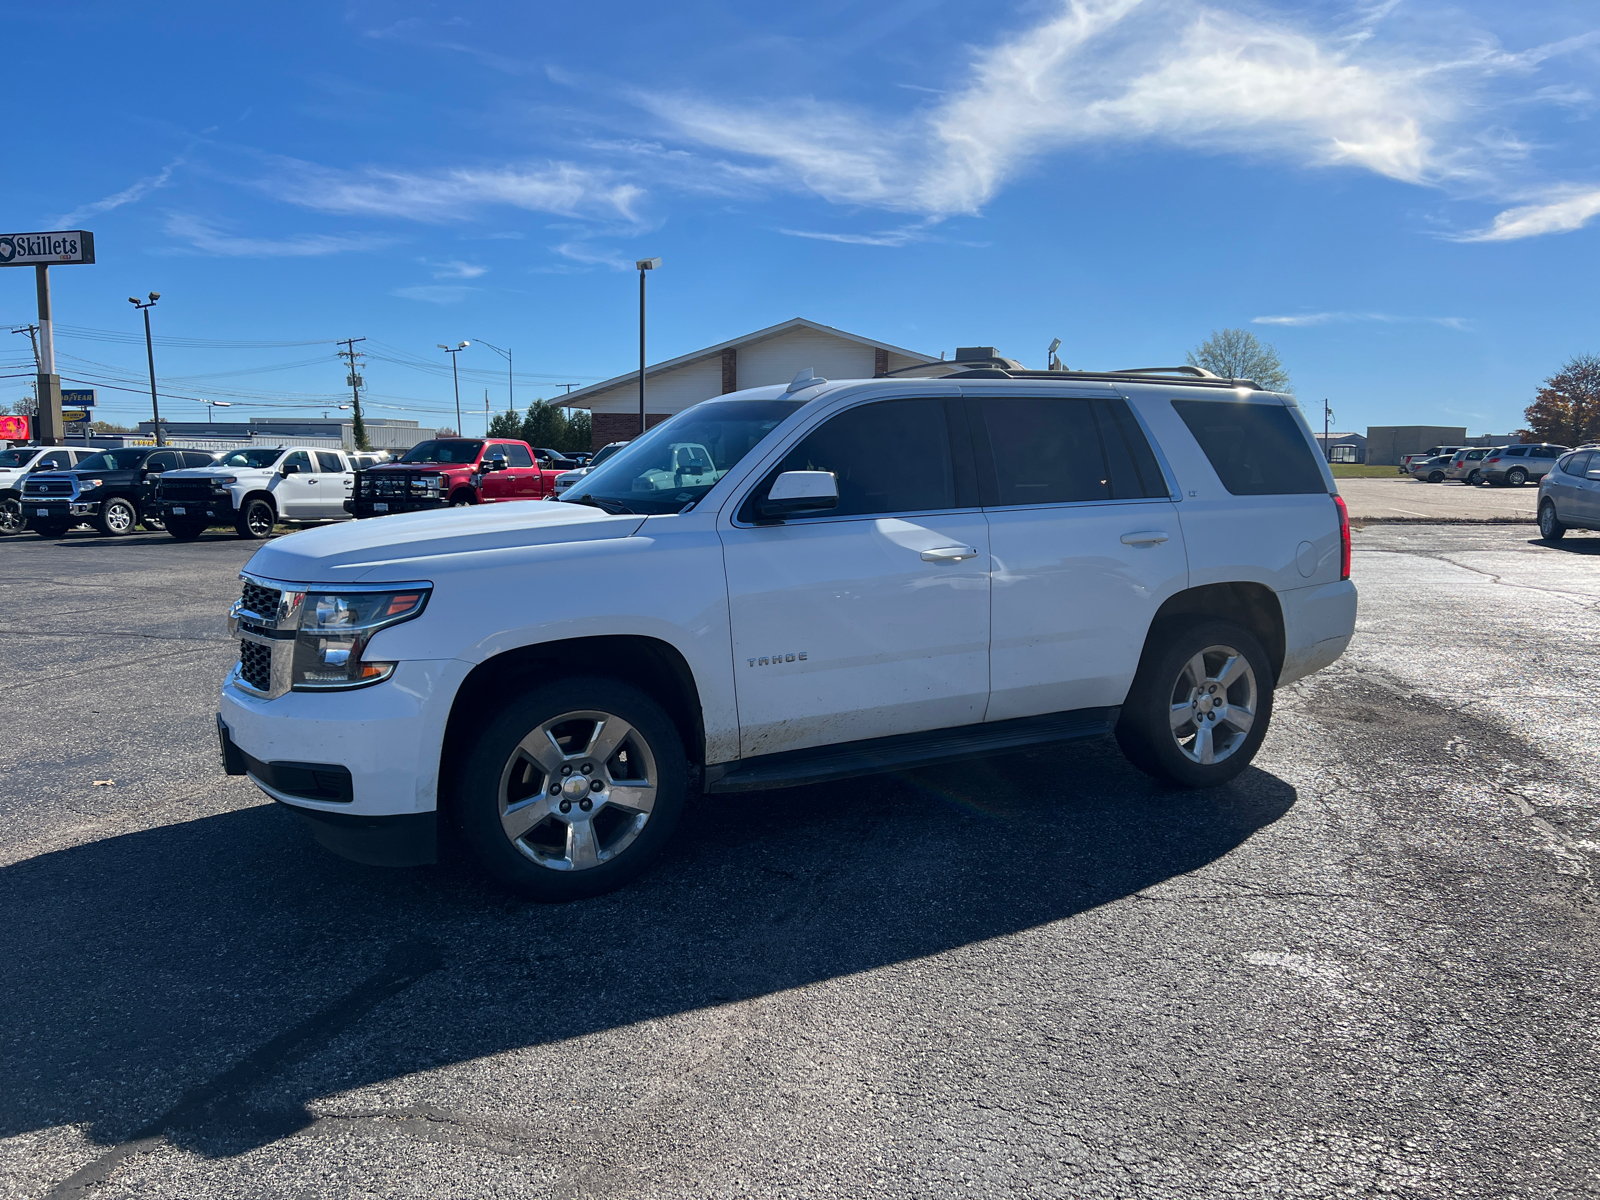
point(46, 249)
point(78, 397)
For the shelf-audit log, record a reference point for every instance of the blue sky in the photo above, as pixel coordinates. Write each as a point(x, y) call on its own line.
point(1402, 196)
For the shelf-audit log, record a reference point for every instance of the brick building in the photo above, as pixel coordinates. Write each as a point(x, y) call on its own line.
point(772, 355)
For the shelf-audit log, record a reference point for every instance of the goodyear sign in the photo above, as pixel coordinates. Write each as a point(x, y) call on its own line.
point(46, 249)
point(77, 397)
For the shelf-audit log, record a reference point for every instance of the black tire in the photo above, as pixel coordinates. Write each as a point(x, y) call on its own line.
point(495, 775)
point(51, 529)
point(1146, 731)
point(1516, 477)
point(11, 519)
point(186, 531)
point(1475, 478)
point(1436, 477)
point(1550, 528)
point(118, 517)
point(462, 497)
point(256, 519)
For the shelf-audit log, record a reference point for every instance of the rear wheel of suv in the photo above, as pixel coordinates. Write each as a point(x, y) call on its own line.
point(256, 519)
point(1516, 477)
point(572, 789)
point(1550, 529)
point(185, 531)
point(1475, 478)
point(1199, 705)
point(117, 517)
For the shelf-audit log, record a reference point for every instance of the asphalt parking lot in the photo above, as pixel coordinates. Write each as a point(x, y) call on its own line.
point(1368, 967)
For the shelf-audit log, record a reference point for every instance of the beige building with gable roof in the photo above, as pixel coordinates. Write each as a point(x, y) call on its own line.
point(772, 355)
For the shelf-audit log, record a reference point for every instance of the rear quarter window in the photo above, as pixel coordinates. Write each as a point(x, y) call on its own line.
point(1255, 449)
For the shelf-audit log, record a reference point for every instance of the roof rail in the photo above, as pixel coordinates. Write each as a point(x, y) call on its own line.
point(1198, 372)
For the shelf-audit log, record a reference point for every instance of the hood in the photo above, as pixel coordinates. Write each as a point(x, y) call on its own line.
point(404, 546)
point(434, 467)
point(212, 472)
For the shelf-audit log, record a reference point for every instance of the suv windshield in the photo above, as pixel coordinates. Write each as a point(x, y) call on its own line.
point(16, 458)
point(679, 460)
point(459, 453)
point(114, 460)
point(256, 456)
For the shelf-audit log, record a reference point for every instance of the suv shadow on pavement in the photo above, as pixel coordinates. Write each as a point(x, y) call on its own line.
point(207, 981)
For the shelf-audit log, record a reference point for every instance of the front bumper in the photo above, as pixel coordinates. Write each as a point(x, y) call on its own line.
point(219, 509)
point(399, 504)
point(59, 510)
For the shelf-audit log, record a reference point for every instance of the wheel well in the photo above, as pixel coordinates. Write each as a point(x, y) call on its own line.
point(465, 492)
point(653, 666)
point(267, 496)
point(1253, 605)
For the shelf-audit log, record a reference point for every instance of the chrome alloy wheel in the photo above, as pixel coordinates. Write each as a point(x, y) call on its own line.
point(10, 516)
point(578, 790)
point(1213, 704)
point(119, 516)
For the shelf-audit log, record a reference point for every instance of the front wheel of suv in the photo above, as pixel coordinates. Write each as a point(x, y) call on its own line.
point(1550, 529)
point(117, 517)
point(256, 519)
point(1516, 477)
point(572, 789)
point(1199, 705)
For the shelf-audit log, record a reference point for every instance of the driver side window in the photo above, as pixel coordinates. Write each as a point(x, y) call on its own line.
point(516, 455)
point(300, 459)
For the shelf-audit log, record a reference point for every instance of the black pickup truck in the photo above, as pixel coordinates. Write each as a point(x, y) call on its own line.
point(111, 490)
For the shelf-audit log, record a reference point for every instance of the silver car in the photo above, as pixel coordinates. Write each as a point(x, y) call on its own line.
point(1467, 465)
point(1569, 495)
point(1430, 470)
point(1514, 466)
point(567, 478)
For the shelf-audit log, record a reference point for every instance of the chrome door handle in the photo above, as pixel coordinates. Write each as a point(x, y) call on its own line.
point(949, 554)
point(1150, 537)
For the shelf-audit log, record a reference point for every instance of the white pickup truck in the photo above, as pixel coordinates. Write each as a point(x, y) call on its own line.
point(255, 488)
point(793, 585)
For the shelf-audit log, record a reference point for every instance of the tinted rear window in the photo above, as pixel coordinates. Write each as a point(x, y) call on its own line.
point(1256, 449)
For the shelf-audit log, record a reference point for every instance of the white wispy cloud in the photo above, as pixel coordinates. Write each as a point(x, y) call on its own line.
point(1157, 72)
point(456, 269)
point(1568, 208)
point(558, 188)
point(209, 238)
point(137, 190)
point(1302, 320)
point(593, 256)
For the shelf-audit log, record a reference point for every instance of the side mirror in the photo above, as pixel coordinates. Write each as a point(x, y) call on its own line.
point(798, 492)
point(48, 464)
point(155, 469)
point(497, 463)
point(290, 469)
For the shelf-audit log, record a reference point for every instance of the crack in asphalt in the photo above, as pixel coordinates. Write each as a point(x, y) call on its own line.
point(404, 966)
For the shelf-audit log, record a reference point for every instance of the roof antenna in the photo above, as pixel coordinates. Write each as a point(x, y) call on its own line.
point(805, 378)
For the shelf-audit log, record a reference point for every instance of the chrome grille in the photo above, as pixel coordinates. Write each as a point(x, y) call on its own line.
point(255, 663)
point(260, 600)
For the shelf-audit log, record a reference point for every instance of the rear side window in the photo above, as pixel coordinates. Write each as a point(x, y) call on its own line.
point(516, 455)
point(1049, 450)
point(330, 462)
point(1576, 464)
point(1547, 452)
point(1256, 449)
point(197, 458)
point(1516, 452)
point(892, 456)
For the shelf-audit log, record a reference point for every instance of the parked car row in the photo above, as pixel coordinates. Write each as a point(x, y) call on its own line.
point(52, 489)
point(1510, 466)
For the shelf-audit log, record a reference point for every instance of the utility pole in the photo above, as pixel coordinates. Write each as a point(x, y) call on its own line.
point(485, 412)
point(150, 354)
point(358, 429)
point(454, 375)
point(1326, 418)
point(511, 383)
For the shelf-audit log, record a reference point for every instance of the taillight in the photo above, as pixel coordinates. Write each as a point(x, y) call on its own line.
point(1494, 459)
point(1344, 537)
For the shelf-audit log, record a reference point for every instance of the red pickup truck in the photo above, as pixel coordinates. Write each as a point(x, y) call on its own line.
point(446, 472)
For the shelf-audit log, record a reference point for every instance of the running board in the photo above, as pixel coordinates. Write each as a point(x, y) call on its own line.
point(821, 764)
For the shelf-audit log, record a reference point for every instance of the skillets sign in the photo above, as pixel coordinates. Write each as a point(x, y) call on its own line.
point(46, 249)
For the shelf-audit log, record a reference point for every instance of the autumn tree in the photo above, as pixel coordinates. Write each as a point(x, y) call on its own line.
point(1239, 354)
point(1566, 409)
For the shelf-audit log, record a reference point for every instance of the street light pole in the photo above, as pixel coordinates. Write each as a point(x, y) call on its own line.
point(455, 375)
point(511, 382)
point(150, 355)
point(644, 264)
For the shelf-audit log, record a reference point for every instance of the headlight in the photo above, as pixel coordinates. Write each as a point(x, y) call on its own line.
point(335, 628)
point(222, 481)
point(88, 485)
point(430, 484)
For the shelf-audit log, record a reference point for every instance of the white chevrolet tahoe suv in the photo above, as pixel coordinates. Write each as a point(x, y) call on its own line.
point(254, 488)
point(792, 585)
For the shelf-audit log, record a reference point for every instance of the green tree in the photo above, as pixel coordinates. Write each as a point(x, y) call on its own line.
point(1567, 408)
point(580, 430)
point(1239, 354)
point(545, 425)
point(506, 425)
